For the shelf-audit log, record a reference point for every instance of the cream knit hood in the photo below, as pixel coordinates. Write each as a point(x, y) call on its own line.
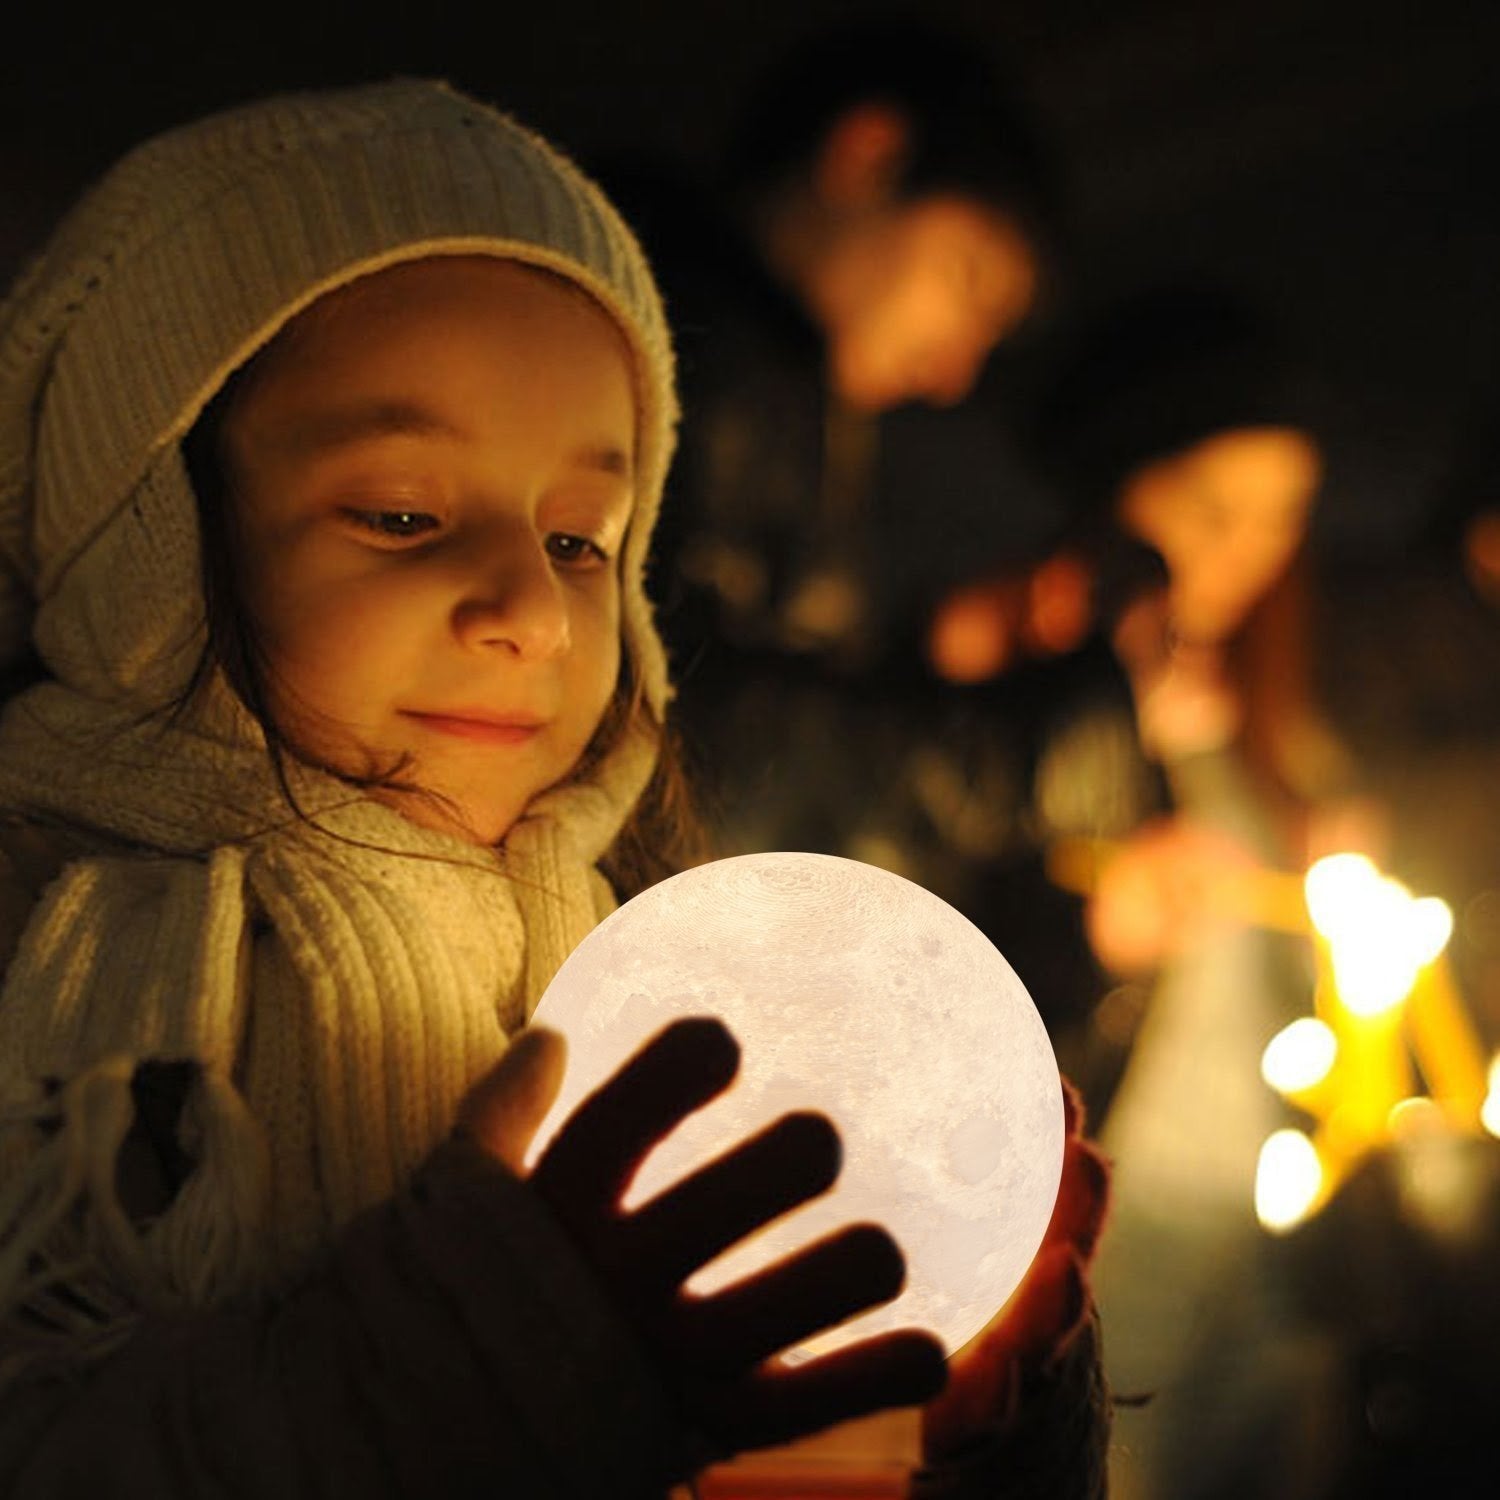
point(338, 980)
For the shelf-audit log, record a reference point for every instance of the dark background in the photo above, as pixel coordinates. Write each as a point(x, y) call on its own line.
point(1333, 157)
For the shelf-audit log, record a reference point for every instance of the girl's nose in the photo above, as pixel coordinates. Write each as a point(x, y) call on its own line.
point(515, 602)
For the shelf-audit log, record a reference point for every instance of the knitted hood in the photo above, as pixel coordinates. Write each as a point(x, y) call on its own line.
point(184, 261)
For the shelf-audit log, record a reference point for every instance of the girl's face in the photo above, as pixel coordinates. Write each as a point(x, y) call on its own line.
point(432, 476)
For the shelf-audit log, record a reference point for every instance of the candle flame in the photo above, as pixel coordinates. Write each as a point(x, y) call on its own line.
point(1334, 888)
point(1379, 935)
point(1288, 1179)
point(1299, 1056)
point(1489, 1114)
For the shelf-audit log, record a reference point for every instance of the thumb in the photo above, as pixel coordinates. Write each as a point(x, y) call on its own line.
point(503, 1110)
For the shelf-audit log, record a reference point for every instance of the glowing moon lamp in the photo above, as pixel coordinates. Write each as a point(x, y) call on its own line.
point(856, 992)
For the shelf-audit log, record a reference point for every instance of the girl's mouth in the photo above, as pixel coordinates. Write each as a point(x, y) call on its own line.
point(485, 730)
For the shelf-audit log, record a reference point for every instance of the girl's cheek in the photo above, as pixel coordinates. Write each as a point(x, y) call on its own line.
point(595, 609)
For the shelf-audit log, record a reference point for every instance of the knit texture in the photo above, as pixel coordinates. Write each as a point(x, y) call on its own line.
point(341, 978)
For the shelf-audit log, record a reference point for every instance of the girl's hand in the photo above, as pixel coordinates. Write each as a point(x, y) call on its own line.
point(716, 1353)
point(1032, 1376)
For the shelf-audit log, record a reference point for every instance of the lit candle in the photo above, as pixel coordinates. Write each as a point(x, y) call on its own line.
point(1446, 1045)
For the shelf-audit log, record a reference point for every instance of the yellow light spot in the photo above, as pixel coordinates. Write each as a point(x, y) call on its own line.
point(1431, 926)
point(1373, 980)
point(1299, 1056)
point(1489, 1113)
point(1336, 887)
point(1288, 1179)
point(1378, 934)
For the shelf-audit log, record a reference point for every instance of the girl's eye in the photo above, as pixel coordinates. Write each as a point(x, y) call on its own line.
point(395, 525)
point(576, 551)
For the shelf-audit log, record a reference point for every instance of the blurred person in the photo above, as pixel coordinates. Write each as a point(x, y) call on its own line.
point(1176, 426)
point(891, 189)
point(1292, 711)
point(1180, 435)
point(881, 222)
point(1142, 689)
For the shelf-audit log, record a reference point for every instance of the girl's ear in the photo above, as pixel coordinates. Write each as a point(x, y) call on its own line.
point(863, 157)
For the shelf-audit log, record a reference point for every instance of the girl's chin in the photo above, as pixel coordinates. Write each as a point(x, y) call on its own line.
point(440, 814)
point(395, 779)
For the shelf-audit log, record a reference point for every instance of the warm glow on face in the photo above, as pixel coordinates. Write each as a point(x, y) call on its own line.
point(854, 992)
point(1226, 515)
point(1299, 1056)
point(1379, 935)
point(432, 474)
point(1288, 1179)
point(913, 298)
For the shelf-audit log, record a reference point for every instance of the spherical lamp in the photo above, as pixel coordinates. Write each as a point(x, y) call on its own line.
point(859, 993)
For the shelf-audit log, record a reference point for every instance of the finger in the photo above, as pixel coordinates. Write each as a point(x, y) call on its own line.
point(984, 1382)
point(503, 1110)
point(589, 1164)
point(1045, 1310)
point(815, 1289)
point(780, 1402)
point(1073, 1110)
point(982, 1395)
point(790, 1162)
point(1082, 1199)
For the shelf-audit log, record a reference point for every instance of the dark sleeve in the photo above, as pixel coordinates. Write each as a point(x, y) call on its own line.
point(452, 1344)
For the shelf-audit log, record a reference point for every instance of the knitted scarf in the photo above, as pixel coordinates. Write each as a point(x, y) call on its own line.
point(386, 964)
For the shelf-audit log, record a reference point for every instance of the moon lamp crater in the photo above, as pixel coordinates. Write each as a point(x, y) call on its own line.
point(860, 994)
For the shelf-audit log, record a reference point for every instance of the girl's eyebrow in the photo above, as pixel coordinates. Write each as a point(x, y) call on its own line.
point(316, 432)
point(313, 432)
point(606, 458)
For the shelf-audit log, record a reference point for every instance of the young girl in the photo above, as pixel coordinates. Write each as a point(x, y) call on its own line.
point(332, 433)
